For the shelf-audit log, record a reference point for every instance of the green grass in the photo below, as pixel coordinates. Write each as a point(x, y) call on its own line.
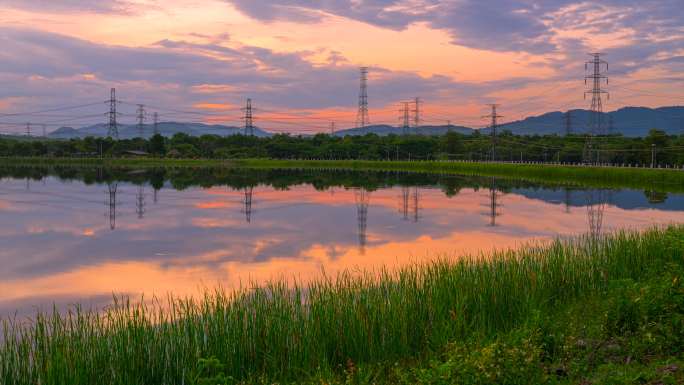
point(504, 318)
point(662, 179)
point(670, 180)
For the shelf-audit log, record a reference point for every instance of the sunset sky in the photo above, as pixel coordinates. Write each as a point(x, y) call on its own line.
point(298, 59)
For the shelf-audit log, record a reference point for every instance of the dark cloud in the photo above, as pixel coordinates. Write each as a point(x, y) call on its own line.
point(502, 25)
point(60, 6)
point(35, 63)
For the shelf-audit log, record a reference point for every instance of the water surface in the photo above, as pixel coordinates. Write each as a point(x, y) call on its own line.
point(80, 235)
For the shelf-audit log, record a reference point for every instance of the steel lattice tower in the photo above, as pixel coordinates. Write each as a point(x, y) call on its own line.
point(362, 119)
point(249, 191)
point(140, 202)
point(596, 114)
point(111, 187)
point(405, 194)
point(141, 120)
point(249, 118)
point(28, 129)
point(113, 129)
point(362, 198)
point(44, 130)
point(493, 126)
point(493, 203)
point(596, 204)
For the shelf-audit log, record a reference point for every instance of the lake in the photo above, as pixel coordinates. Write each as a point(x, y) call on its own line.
point(72, 235)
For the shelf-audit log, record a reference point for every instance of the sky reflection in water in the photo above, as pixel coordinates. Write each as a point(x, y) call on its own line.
point(63, 240)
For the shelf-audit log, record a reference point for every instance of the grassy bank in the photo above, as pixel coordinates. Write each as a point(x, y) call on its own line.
point(664, 179)
point(661, 179)
point(554, 313)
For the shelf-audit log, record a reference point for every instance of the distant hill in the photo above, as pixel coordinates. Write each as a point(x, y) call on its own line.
point(383, 129)
point(165, 129)
point(629, 121)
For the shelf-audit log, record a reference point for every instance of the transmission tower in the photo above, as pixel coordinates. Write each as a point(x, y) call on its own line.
point(362, 198)
point(362, 119)
point(596, 204)
point(493, 125)
point(332, 128)
point(416, 205)
point(567, 120)
point(140, 202)
point(141, 120)
point(44, 130)
point(111, 187)
point(28, 129)
point(113, 129)
point(249, 191)
point(248, 118)
point(405, 119)
point(596, 115)
point(405, 194)
point(416, 113)
point(155, 118)
point(493, 203)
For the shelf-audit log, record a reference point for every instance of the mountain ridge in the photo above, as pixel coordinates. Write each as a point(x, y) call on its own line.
point(628, 121)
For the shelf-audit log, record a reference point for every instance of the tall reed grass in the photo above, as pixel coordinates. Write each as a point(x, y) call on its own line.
point(287, 331)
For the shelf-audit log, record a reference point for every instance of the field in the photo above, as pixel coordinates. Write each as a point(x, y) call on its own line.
point(671, 180)
point(608, 310)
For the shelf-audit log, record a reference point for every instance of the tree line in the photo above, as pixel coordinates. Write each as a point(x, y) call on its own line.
point(668, 149)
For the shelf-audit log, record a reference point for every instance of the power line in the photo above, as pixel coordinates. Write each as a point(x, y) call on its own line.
point(51, 110)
